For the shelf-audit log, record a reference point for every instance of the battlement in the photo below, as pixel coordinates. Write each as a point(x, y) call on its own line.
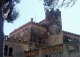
point(53, 12)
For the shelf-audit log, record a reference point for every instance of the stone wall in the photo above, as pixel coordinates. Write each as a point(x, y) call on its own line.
point(22, 33)
point(38, 33)
point(71, 50)
point(53, 21)
point(17, 49)
point(46, 51)
point(55, 39)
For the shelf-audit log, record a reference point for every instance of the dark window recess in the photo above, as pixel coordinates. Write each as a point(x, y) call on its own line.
point(65, 38)
point(10, 51)
point(31, 43)
point(46, 55)
point(5, 49)
point(26, 28)
point(40, 41)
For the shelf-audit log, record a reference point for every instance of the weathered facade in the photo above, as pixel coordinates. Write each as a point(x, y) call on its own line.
point(66, 49)
point(43, 39)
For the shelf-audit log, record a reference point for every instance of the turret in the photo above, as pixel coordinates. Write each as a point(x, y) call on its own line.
point(53, 21)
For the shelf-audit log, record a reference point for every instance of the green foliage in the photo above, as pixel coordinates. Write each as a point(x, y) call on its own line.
point(12, 16)
point(8, 7)
point(49, 4)
point(17, 1)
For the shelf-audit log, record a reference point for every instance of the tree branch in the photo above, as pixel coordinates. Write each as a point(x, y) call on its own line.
point(7, 9)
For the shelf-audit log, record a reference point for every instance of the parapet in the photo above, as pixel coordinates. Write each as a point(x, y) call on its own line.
point(53, 12)
point(17, 40)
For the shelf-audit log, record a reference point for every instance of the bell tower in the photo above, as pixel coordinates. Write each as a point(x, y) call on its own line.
point(53, 21)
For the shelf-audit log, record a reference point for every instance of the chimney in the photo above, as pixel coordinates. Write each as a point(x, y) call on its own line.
point(31, 19)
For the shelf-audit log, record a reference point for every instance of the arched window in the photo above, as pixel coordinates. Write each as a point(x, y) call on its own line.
point(5, 50)
point(10, 51)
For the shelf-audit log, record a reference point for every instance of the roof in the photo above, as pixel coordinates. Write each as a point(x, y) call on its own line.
point(73, 34)
point(27, 24)
point(42, 21)
point(38, 24)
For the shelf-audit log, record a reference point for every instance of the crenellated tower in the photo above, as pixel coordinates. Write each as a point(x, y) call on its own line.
point(53, 21)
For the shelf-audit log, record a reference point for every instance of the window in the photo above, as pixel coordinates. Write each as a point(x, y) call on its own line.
point(39, 41)
point(26, 28)
point(5, 49)
point(46, 56)
point(10, 51)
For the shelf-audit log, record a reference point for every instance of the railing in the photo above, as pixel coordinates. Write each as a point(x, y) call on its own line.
point(50, 49)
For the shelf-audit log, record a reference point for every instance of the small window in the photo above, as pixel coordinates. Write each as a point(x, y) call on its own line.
point(40, 41)
point(31, 43)
point(46, 55)
point(26, 28)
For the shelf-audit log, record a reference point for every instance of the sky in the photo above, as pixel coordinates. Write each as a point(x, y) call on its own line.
point(34, 9)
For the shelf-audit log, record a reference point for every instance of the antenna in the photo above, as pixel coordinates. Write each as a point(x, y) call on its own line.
point(35, 17)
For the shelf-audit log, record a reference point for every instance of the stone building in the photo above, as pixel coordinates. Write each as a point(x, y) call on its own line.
point(43, 39)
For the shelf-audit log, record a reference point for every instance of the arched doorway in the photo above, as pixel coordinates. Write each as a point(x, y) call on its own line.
point(5, 50)
point(10, 51)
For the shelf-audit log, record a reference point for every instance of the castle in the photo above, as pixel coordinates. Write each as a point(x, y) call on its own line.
point(43, 39)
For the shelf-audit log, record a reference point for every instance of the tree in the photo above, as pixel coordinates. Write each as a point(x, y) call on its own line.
point(7, 12)
point(50, 4)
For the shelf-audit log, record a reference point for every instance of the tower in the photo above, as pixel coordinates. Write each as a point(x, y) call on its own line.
point(53, 21)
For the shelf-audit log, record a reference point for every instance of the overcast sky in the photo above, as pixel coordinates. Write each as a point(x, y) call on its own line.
point(34, 9)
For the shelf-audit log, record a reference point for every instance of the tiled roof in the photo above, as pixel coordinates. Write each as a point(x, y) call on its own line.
point(70, 33)
point(29, 23)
